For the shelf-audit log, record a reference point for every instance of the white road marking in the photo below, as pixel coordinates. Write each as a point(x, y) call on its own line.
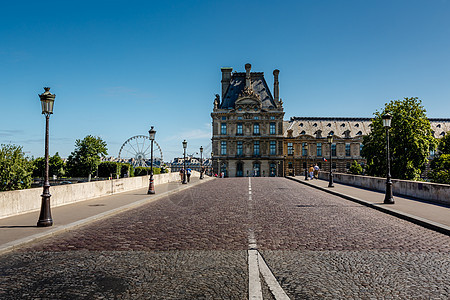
point(270, 279)
point(257, 265)
point(254, 283)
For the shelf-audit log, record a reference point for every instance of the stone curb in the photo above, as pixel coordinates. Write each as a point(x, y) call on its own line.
point(14, 245)
point(402, 215)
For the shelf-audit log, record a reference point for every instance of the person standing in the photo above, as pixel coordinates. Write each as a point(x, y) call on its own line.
point(316, 171)
point(189, 171)
point(181, 174)
point(311, 172)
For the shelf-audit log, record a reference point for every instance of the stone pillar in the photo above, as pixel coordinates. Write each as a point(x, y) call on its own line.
point(226, 79)
point(276, 91)
point(248, 82)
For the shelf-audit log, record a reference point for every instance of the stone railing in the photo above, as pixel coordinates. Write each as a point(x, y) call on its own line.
point(23, 201)
point(433, 192)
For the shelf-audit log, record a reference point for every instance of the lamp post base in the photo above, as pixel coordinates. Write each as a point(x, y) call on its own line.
point(45, 216)
point(388, 198)
point(330, 182)
point(151, 187)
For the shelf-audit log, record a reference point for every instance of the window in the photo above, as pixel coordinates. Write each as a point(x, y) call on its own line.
point(256, 128)
point(224, 118)
point(223, 148)
point(347, 166)
point(319, 164)
point(255, 118)
point(256, 148)
point(432, 153)
point(333, 149)
point(319, 149)
point(239, 169)
point(290, 149)
point(239, 129)
point(304, 149)
point(347, 149)
point(239, 118)
point(272, 128)
point(273, 147)
point(361, 146)
point(333, 166)
point(223, 128)
point(239, 148)
point(304, 165)
point(272, 117)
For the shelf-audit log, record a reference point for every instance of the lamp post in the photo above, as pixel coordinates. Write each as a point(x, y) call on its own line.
point(212, 162)
point(388, 198)
point(151, 187)
point(306, 161)
point(45, 216)
point(330, 141)
point(184, 163)
point(201, 162)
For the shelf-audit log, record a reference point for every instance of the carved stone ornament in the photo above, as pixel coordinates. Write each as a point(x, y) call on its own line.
point(249, 93)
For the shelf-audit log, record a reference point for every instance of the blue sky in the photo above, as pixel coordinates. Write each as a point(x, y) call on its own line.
point(118, 67)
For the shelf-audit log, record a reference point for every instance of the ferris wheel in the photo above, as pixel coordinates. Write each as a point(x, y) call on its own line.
point(137, 150)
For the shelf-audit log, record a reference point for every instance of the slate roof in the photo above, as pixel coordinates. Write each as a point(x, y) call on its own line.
point(237, 85)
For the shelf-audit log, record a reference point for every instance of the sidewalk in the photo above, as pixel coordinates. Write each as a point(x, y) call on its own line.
point(18, 230)
point(432, 216)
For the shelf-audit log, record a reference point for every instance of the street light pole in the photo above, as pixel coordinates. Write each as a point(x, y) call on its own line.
point(388, 198)
point(45, 216)
point(306, 161)
point(201, 162)
point(330, 141)
point(151, 187)
point(184, 163)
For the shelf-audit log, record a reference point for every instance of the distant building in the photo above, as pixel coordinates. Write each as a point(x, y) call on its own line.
point(250, 137)
point(247, 124)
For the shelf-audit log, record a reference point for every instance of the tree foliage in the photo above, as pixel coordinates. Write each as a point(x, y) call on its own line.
point(15, 168)
point(440, 165)
point(85, 159)
point(444, 144)
point(441, 169)
point(55, 163)
point(355, 168)
point(410, 142)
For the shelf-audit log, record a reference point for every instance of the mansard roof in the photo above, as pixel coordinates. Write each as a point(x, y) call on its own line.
point(320, 127)
point(346, 127)
point(237, 85)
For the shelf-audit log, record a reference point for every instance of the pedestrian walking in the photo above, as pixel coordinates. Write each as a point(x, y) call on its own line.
point(181, 174)
point(311, 172)
point(189, 171)
point(316, 171)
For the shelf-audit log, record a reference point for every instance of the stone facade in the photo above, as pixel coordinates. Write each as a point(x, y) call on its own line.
point(305, 143)
point(247, 123)
point(250, 137)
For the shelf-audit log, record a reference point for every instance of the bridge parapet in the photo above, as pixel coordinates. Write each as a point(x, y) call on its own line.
point(433, 192)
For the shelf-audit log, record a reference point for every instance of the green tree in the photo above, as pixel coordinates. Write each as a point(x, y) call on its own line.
point(55, 164)
point(440, 169)
point(444, 144)
point(410, 139)
point(15, 168)
point(355, 168)
point(84, 160)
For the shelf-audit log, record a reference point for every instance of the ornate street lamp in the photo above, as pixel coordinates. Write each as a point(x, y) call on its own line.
point(330, 141)
point(184, 162)
point(306, 161)
point(388, 199)
point(212, 162)
point(45, 216)
point(201, 162)
point(151, 187)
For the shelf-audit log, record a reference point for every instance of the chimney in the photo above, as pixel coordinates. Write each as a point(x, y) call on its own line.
point(276, 89)
point(226, 79)
point(248, 82)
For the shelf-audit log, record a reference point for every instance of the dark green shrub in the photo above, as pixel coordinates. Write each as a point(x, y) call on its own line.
point(108, 168)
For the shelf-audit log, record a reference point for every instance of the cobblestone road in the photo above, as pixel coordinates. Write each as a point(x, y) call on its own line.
point(193, 245)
